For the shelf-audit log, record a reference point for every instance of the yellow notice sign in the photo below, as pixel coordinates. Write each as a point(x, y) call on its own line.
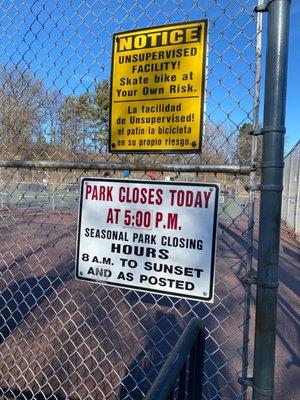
point(157, 89)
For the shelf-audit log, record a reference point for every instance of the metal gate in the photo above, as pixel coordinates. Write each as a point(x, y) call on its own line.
point(64, 339)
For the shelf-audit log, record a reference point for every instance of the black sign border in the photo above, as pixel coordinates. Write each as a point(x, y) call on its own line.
point(130, 287)
point(198, 149)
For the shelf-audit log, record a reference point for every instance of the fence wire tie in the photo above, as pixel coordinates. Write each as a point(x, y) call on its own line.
point(264, 188)
point(265, 7)
point(271, 165)
point(249, 382)
point(253, 280)
point(267, 129)
point(261, 8)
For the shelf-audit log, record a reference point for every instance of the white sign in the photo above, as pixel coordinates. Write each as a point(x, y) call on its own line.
point(148, 235)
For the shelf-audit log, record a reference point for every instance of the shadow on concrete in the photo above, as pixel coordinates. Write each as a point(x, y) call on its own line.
point(163, 334)
point(9, 394)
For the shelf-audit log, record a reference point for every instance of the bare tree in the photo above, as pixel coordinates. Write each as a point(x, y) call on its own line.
point(21, 112)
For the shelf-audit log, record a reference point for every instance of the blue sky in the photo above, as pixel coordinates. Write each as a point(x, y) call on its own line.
point(293, 89)
point(67, 44)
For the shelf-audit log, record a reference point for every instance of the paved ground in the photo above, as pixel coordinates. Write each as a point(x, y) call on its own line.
point(63, 339)
point(287, 368)
point(288, 331)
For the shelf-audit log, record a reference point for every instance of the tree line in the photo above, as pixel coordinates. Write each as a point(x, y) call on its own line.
point(42, 123)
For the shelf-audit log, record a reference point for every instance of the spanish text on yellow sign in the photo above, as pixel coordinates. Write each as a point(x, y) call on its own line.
point(157, 98)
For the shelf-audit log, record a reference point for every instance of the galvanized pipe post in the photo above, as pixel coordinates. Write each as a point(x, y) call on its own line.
point(270, 204)
point(252, 180)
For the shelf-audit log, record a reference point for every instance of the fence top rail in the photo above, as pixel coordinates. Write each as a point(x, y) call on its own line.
point(140, 166)
point(292, 150)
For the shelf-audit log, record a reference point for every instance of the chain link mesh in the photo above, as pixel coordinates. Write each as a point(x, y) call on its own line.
point(64, 339)
point(291, 191)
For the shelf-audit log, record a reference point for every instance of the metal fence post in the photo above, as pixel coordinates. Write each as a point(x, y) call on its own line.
point(297, 200)
point(270, 204)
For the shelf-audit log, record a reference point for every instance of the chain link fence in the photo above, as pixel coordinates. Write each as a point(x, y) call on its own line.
point(64, 339)
point(291, 190)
